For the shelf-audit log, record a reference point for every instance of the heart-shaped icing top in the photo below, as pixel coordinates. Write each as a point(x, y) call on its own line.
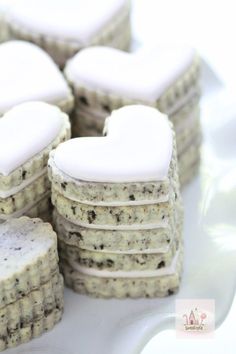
point(27, 74)
point(137, 148)
point(75, 20)
point(144, 75)
point(25, 130)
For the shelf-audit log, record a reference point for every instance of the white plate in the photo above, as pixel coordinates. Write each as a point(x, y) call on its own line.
point(123, 326)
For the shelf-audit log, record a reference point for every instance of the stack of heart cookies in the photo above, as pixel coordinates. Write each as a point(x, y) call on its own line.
point(165, 77)
point(31, 287)
point(118, 211)
point(28, 132)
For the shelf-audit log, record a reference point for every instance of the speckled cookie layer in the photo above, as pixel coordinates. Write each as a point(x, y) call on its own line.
point(116, 34)
point(28, 257)
point(117, 261)
point(33, 306)
point(122, 287)
point(115, 240)
point(36, 164)
point(189, 133)
point(28, 195)
point(95, 193)
point(189, 161)
point(31, 330)
point(114, 217)
point(89, 121)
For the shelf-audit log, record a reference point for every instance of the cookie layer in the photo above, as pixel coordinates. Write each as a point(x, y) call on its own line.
point(120, 217)
point(112, 240)
point(24, 197)
point(31, 330)
point(122, 287)
point(117, 261)
point(28, 257)
point(33, 306)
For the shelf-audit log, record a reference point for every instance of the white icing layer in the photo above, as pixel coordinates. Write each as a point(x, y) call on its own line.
point(26, 130)
point(128, 274)
point(74, 20)
point(122, 227)
point(137, 148)
point(24, 184)
point(144, 75)
point(162, 199)
point(27, 74)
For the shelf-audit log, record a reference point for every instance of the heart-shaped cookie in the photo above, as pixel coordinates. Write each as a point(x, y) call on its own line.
point(143, 76)
point(27, 74)
point(26, 130)
point(74, 20)
point(65, 26)
point(138, 147)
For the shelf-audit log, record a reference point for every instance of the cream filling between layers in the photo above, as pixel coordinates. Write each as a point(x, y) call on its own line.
point(121, 227)
point(128, 274)
point(161, 199)
point(14, 190)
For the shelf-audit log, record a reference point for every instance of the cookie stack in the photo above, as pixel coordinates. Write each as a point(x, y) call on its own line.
point(28, 133)
point(31, 287)
point(118, 211)
point(165, 77)
point(70, 25)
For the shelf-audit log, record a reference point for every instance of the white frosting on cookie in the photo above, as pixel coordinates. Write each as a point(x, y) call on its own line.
point(75, 20)
point(137, 148)
point(144, 75)
point(26, 130)
point(28, 73)
point(128, 274)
